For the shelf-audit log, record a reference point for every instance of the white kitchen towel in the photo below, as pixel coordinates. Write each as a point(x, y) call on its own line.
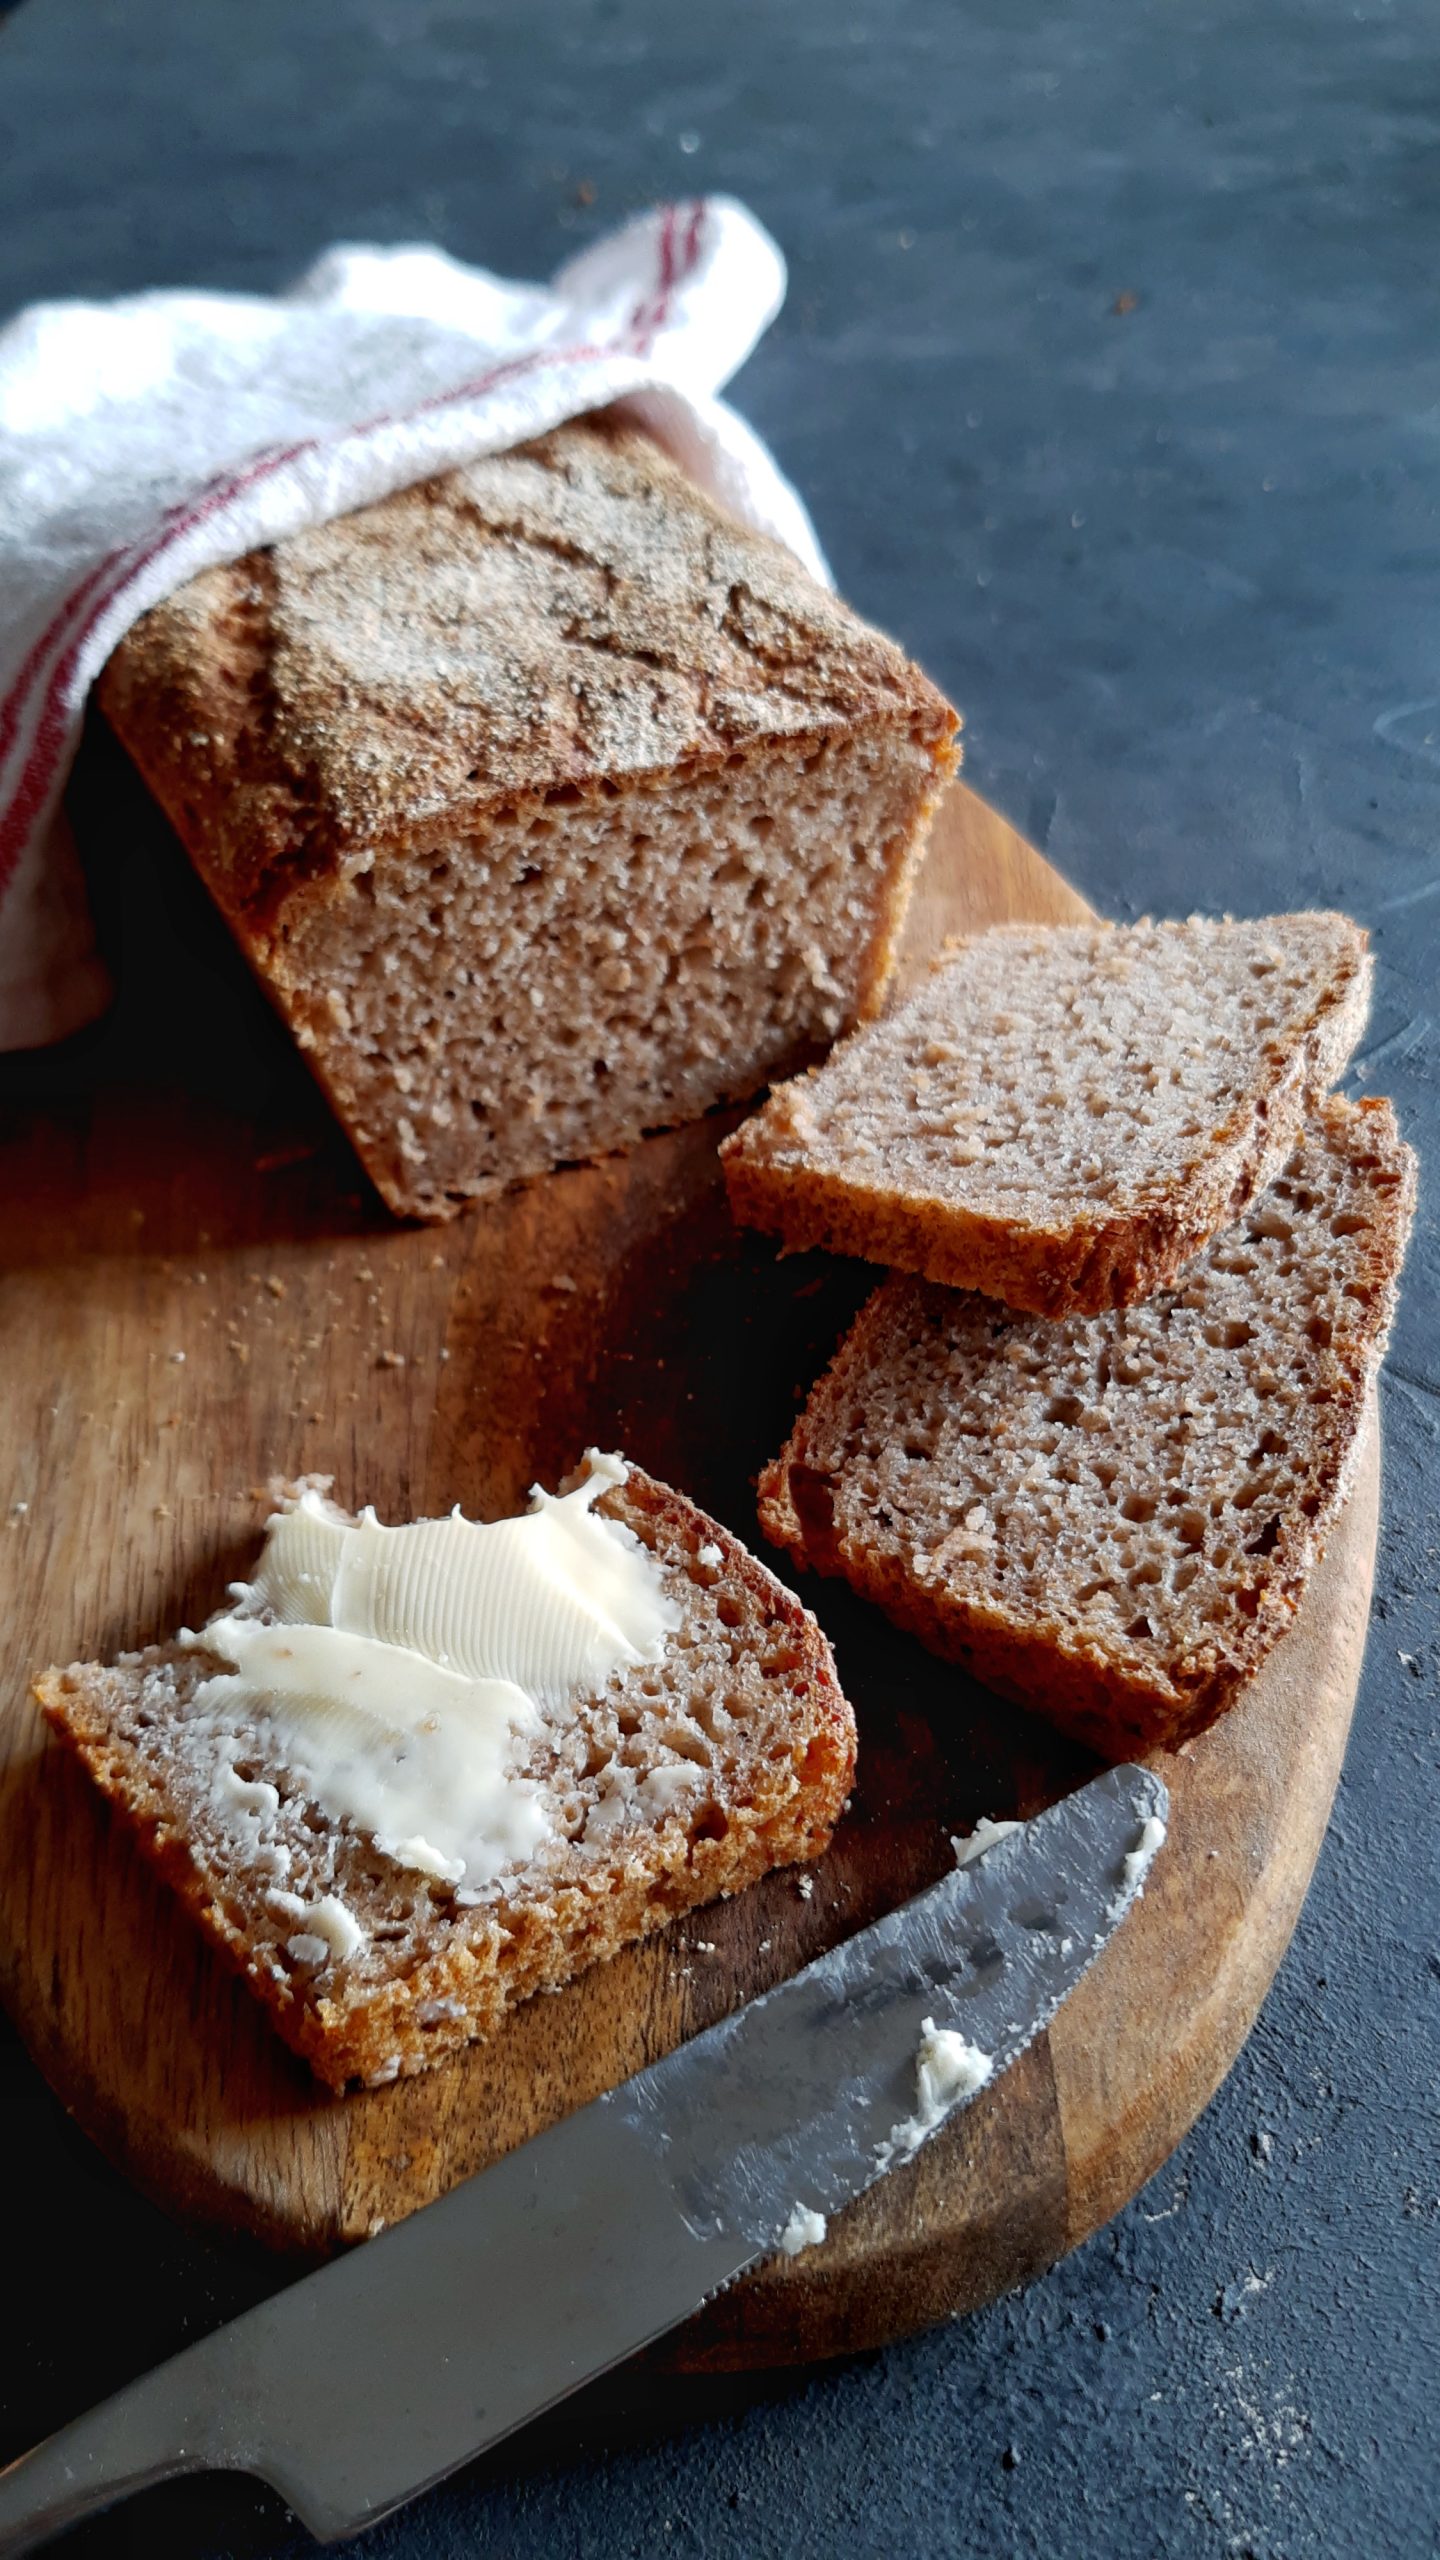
point(146, 439)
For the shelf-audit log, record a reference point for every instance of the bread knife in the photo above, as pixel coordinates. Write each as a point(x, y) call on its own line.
point(356, 2388)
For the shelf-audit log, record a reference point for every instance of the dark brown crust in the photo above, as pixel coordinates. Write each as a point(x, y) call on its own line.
point(265, 704)
point(592, 1908)
point(1116, 1706)
point(1096, 1261)
point(567, 624)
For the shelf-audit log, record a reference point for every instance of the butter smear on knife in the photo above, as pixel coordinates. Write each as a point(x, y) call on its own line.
point(947, 2069)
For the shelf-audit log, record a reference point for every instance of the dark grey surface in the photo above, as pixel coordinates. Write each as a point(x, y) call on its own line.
point(1179, 562)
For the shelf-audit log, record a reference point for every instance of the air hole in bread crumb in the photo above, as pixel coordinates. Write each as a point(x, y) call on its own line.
point(1231, 1336)
point(686, 1744)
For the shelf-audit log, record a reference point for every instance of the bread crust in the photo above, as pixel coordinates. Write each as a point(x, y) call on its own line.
point(551, 636)
point(359, 2022)
point(1078, 1258)
point(331, 694)
point(1113, 1691)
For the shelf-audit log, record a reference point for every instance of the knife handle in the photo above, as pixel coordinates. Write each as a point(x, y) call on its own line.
point(142, 2435)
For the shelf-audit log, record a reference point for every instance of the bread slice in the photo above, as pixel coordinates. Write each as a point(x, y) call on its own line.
point(550, 804)
point(745, 1697)
point(1111, 1518)
point(1062, 1115)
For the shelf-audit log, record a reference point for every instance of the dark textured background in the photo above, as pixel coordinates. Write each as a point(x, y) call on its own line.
point(1179, 562)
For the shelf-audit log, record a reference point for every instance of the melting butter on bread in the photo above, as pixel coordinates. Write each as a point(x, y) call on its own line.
point(677, 1779)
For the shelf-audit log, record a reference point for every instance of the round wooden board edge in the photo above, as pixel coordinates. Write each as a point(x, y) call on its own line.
point(1081, 2143)
point(939, 2243)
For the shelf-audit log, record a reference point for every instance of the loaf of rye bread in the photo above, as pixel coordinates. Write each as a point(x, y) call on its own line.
point(550, 804)
point(1112, 1517)
point(1062, 1115)
point(745, 1697)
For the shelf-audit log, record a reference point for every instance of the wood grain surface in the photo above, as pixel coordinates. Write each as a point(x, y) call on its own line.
point(198, 1293)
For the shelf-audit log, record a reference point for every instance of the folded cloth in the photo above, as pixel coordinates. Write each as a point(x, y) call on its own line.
point(146, 439)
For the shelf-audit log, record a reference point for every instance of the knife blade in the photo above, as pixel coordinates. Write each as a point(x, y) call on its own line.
point(364, 2384)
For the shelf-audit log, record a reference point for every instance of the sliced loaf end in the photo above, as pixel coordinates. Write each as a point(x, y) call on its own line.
point(549, 804)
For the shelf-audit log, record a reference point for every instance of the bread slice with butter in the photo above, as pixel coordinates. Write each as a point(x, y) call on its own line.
point(1062, 1115)
point(399, 1799)
point(1111, 1518)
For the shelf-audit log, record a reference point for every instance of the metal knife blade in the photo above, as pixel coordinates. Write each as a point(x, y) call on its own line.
point(364, 2384)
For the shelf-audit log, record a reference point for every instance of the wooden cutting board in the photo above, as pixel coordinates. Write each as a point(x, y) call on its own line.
point(197, 1293)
